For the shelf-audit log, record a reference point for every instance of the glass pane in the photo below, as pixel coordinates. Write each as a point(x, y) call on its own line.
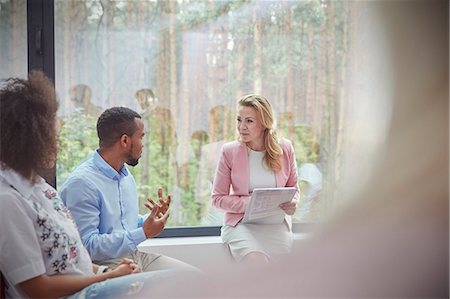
point(183, 65)
point(13, 38)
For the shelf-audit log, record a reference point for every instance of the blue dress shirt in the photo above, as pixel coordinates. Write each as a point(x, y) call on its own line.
point(104, 204)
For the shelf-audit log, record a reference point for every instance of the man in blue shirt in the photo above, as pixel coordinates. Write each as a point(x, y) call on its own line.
point(102, 196)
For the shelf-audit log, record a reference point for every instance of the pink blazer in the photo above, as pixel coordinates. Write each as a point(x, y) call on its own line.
point(231, 183)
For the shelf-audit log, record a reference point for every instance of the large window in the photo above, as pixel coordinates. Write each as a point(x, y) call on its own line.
point(183, 64)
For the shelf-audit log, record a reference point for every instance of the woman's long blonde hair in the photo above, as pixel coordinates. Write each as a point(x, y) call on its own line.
point(272, 157)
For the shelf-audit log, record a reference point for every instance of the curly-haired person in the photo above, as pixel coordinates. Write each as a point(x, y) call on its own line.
point(41, 253)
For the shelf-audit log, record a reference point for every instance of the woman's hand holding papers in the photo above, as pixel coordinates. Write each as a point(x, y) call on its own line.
point(289, 207)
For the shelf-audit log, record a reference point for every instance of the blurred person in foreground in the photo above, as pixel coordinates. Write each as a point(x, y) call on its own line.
point(41, 251)
point(102, 196)
point(392, 240)
point(257, 160)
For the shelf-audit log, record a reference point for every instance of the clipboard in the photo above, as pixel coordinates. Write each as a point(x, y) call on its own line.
point(263, 206)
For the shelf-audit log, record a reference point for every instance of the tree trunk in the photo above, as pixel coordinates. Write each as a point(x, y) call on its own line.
point(173, 100)
point(257, 43)
point(330, 117)
point(289, 77)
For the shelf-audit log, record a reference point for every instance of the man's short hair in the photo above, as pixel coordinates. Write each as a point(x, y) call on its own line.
point(115, 122)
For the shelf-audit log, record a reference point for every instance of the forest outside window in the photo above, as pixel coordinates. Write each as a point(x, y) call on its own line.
point(183, 64)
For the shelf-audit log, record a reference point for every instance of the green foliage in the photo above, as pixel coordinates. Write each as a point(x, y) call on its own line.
point(77, 139)
point(191, 211)
point(311, 12)
point(305, 141)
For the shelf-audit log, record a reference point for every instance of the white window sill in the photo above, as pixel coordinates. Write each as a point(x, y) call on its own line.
point(197, 251)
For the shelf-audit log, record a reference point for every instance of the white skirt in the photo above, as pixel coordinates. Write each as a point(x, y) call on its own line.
point(270, 239)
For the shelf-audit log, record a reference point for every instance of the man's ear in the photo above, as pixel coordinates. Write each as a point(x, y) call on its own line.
point(124, 140)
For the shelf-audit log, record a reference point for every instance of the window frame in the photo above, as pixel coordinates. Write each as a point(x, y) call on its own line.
point(206, 231)
point(41, 49)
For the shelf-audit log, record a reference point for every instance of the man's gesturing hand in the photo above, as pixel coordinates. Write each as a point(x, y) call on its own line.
point(163, 204)
point(155, 222)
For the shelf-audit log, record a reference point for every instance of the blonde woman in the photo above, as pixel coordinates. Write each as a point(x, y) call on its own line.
point(256, 160)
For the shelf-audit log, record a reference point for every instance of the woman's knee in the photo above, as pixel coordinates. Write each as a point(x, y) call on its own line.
point(256, 257)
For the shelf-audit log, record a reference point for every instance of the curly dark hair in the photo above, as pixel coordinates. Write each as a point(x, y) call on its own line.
point(27, 124)
point(113, 123)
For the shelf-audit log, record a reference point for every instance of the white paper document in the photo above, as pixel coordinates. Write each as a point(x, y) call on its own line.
point(263, 206)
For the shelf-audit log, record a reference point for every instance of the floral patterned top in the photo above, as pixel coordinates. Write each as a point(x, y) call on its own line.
point(39, 235)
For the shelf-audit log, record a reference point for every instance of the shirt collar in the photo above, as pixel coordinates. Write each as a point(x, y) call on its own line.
point(107, 170)
point(18, 182)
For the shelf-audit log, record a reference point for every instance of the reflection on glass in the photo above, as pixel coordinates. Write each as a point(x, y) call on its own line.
point(176, 61)
point(13, 38)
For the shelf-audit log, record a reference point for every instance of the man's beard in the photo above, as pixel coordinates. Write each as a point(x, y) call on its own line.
point(132, 162)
